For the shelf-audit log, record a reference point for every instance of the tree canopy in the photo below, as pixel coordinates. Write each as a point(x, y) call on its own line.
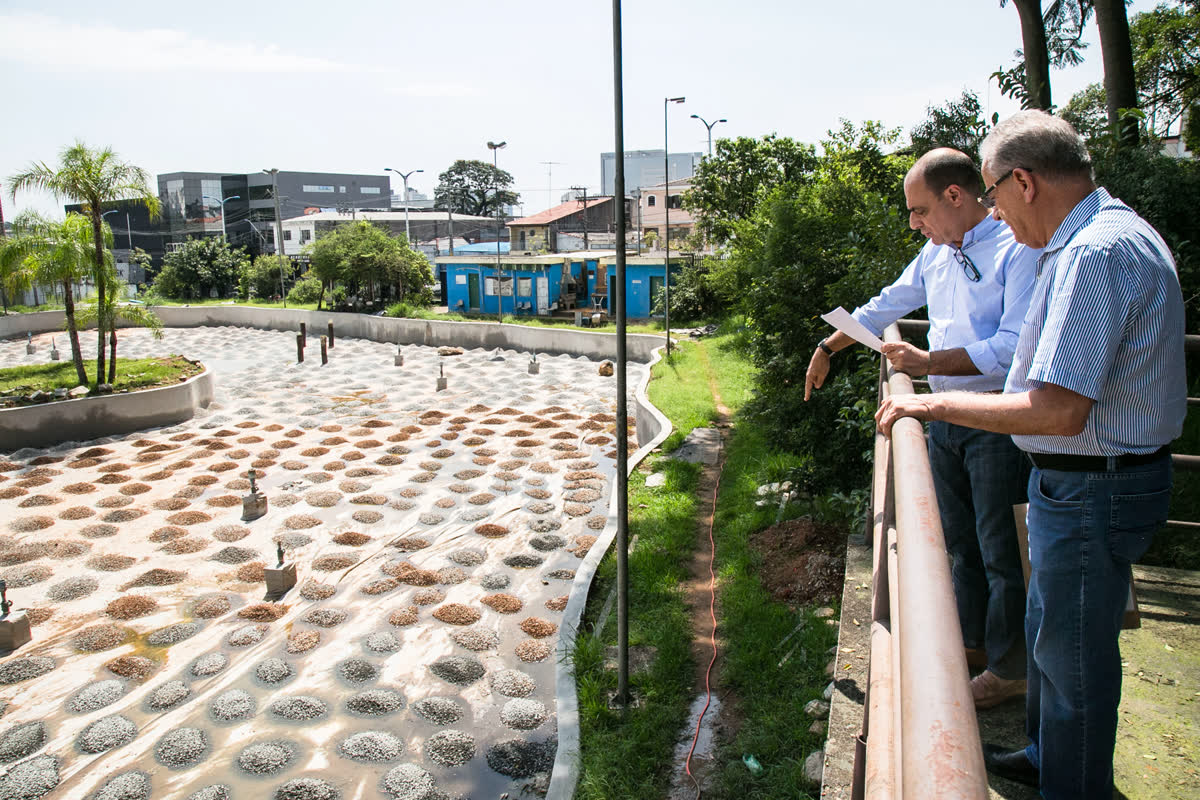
point(198, 267)
point(956, 124)
point(371, 263)
point(474, 187)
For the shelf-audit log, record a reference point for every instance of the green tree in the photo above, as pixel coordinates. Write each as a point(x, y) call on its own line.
point(140, 259)
point(371, 264)
point(1086, 113)
point(1029, 80)
point(96, 179)
point(474, 187)
point(265, 276)
point(57, 253)
point(113, 310)
point(1120, 80)
point(956, 124)
point(197, 268)
point(1166, 53)
point(728, 187)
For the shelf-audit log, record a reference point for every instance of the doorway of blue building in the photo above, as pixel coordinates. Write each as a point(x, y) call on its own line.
point(473, 292)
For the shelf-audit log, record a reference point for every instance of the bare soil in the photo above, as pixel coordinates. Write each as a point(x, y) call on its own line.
point(803, 561)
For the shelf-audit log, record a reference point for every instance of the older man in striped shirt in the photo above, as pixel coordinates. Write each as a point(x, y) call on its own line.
point(1096, 393)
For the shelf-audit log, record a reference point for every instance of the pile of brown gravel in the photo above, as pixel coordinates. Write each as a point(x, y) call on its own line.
point(532, 650)
point(134, 489)
point(131, 606)
point(597, 523)
point(491, 530)
point(576, 509)
point(503, 603)
point(87, 488)
point(22, 553)
point(366, 516)
point(323, 499)
point(63, 549)
point(557, 603)
point(351, 538)
point(381, 586)
point(428, 597)
point(98, 638)
point(9, 492)
point(170, 504)
point(410, 543)
point(403, 616)
point(110, 562)
point(30, 524)
point(456, 614)
point(369, 500)
point(254, 572)
point(481, 499)
point(333, 562)
point(134, 667)
point(303, 641)
point(301, 521)
point(26, 576)
point(210, 607)
point(538, 494)
point(156, 577)
point(167, 533)
point(538, 628)
point(224, 501)
point(262, 612)
point(39, 615)
point(189, 518)
point(315, 590)
point(231, 533)
point(190, 544)
point(36, 500)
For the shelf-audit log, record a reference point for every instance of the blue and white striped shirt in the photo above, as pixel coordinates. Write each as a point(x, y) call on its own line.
point(983, 317)
point(1106, 321)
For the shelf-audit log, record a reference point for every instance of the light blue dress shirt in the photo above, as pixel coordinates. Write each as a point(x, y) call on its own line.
point(984, 317)
point(1106, 322)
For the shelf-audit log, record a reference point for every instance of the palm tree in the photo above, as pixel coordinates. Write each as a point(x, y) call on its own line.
point(95, 179)
point(57, 253)
point(110, 311)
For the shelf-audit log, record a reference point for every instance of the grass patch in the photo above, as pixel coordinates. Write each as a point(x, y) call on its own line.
point(139, 373)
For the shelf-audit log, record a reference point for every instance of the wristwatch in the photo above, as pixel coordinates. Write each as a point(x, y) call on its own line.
point(828, 350)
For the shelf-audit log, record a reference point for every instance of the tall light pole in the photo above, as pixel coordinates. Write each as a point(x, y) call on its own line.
point(550, 182)
point(667, 221)
point(274, 173)
point(222, 204)
point(709, 125)
point(404, 177)
point(495, 146)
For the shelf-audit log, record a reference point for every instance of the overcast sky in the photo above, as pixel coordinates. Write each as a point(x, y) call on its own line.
point(355, 87)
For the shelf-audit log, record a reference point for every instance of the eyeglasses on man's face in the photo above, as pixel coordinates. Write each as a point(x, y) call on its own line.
point(969, 268)
point(988, 198)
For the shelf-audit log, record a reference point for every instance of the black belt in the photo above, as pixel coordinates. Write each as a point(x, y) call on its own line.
point(1070, 463)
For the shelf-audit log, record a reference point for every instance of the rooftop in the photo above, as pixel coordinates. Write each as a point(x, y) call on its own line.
point(559, 211)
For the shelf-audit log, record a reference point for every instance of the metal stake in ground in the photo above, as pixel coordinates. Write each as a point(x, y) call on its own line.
point(441, 381)
point(330, 334)
point(299, 348)
point(325, 348)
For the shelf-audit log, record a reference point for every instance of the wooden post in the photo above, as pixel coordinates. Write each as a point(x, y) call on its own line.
point(325, 349)
point(299, 348)
point(331, 334)
point(304, 333)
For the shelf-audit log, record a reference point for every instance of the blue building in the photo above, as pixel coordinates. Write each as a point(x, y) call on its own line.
point(526, 284)
point(643, 280)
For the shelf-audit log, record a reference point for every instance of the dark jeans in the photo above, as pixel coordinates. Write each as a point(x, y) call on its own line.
point(979, 477)
point(1085, 530)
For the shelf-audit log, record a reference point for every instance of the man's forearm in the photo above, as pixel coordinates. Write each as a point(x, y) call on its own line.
point(951, 362)
point(1048, 411)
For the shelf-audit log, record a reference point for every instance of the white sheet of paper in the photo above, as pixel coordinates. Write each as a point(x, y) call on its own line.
point(840, 318)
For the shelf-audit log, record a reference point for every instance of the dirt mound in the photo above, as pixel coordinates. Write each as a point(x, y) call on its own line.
point(803, 562)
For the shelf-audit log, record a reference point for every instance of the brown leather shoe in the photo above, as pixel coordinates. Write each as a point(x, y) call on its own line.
point(989, 689)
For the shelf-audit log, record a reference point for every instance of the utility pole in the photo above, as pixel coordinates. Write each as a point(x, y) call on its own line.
point(494, 147)
point(550, 182)
point(667, 221)
point(274, 173)
point(583, 189)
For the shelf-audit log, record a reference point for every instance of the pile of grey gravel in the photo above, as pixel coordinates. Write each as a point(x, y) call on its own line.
point(377, 747)
point(520, 758)
point(234, 555)
point(95, 695)
point(293, 541)
point(218, 791)
point(21, 741)
point(384, 642)
point(474, 515)
point(547, 542)
point(476, 639)
point(375, 702)
point(267, 758)
point(133, 785)
point(325, 617)
point(523, 714)
point(72, 589)
point(450, 748)
point(544, 525)
point(356, 670)
point(169, 695)
point(439, 710)
point(33, 778)
point(495, 581)
point(409, 782)
point(523, 561)
point(232, 705)
point(451, 575)
point(210, 664)
point(299, 708)
point(181, 748)
point(173, 634)
point(307, 789)
point(512, 683)
point(467, 557)
point(106, 733)
point(460, 670)
point(247, 635)
point(274, 670)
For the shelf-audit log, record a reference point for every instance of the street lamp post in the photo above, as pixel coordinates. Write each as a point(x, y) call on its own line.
point(667, 221)
point(495, 146)
point(222, 204)
point(710, 126)
point(274, 173)
point(404, 177)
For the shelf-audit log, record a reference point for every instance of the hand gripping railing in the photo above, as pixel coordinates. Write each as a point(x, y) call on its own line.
point(920, 732)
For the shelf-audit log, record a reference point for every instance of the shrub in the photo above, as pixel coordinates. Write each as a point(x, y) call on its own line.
point(305, 291)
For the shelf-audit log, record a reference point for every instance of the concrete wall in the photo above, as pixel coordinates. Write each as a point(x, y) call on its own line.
point(552, 341)
point(92, 417)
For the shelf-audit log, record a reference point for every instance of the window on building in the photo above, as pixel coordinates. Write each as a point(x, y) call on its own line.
point(524, 287)
point(675, 201)
point(318, 189)
point(342, 189)
point(287, 235)
point(368, 190)
point(305, 235)
point(489, 286)
point(650, 199)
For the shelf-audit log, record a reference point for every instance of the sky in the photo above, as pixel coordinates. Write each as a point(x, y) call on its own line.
point(330, 87)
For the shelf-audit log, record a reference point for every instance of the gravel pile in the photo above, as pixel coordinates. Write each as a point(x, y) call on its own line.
point(29, 779)
point(185, 546)
point(231, 533)
point(523, 561)
point(98, 531)
point(292, 541)
point(22, 669)
point(303, 641)
point(167, 533)
point(460, 670)
point(210, 607)
point(131, 606)
point(468, 557)
point(299, 708)
point(538, 628)
point(217, 791)
point(233, 555)
point(315, 590)
point(333, 562)
point(351, 539)
point(429, 518)
point(210, 664)
point(98, 638)
point(383, 642)
point(439, 710)
point(25, 576)
point(450, 576)
point(262, 612)
point(325, 617)
point(366, 517)
point(450, 748)
point(181, 748)
point(300, 522)
point(156, 577)
point(456, 614)
point(561, 575)
point(491, 530)
point(523, 714)
point(495, 581)
point(247, 635)
point(273, 670)
point(409, 782)
point(267, 758)
point(253, 572)
point(403, 616)
point(513, 683)
point(307, 789)
point(377, 747)
point(22, 740)
point(322, 499)
point(62, 549)
point(547, 542)
point(503, 603)
point(532, 650)
point(126, 786)
point(173, 634)
point(476, 639)
point(169, 695)
point(30, 524)
point(410, 543)
point(106, 733)
point(232, 705)
point(538, 494)
point(518, 758)
point(110, 562)
point(378, 587)
point(135, 667)
point(375, 702)
point(356, 670)
point(72, 589)
point(189, 518)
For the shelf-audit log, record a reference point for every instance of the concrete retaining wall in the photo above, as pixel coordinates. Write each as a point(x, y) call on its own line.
point(91, 417)
point(552, 341)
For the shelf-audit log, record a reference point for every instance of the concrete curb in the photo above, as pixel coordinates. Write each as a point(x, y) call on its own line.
point(106, 415)
point(652, 423)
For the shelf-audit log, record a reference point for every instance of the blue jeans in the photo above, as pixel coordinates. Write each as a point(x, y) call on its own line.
point(1085, 530)
point(979, 477)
